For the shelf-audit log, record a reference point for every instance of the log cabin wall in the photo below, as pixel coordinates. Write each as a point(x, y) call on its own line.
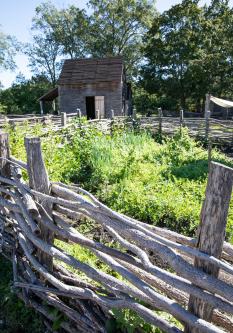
point(103, 81)
point(73, 96)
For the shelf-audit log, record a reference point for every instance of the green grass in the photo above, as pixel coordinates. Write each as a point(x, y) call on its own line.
point(14, 316)
point(159, 183)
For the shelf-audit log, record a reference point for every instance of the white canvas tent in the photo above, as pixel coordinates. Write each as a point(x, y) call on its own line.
point(218, 101)
point(221, 102)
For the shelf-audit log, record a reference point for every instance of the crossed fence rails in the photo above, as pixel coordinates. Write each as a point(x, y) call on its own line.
point(161, 271)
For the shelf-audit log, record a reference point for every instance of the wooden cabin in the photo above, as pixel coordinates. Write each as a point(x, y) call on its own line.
point(95, 86)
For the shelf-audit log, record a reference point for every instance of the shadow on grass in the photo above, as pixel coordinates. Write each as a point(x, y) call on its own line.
point(192, 170)
point(195, 169)
point(15, 317)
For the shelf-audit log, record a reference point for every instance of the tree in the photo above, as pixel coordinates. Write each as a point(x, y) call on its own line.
point(44, 52)
point(56, 34)
point(117, 28)
point(172, 45)
point(43, 56)
point(22, 96)
point(71, 32)
point(113, 28)
point(188, 53)
point(68, 27)
point(8, 48)
point(217, 59)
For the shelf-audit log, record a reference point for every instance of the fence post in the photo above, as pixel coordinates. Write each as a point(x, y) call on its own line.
point(134, 113)
point(38, 180)
point(181, 118)
point(111, 122)
point(79, 114)
point(4, 171)
point(63, 119)
point(160, 114)
point(4, 154)
point(211, 231)
point(54, 106)
point(41, 107)
point(209, 153)
point(207, 103)
point(207, 125)
point(6, 120)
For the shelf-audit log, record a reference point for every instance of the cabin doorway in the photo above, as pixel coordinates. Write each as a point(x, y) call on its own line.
point(90, 107)
point(95, 107)
point(99, 107)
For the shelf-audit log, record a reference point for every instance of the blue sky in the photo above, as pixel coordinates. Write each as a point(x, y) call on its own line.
point(15, 19)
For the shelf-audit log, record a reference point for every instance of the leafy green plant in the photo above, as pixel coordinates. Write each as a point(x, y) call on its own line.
point(128, 321)
point(161, 184)
point(14, 316)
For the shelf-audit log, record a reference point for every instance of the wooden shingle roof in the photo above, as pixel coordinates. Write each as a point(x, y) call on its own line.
point(75, 71)
point(50, 95)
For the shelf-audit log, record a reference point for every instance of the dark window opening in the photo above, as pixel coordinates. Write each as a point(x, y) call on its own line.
point(90, 107)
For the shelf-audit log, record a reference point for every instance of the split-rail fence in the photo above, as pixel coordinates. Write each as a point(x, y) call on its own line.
point(205, 129)
point(161, 271)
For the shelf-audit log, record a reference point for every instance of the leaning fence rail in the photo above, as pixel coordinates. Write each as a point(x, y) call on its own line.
point(208, 129)
point(192, 274)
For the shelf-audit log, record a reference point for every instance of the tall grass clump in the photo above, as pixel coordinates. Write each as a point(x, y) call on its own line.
point(161, 184)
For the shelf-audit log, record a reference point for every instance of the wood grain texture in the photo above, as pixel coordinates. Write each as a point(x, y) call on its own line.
point(4, 154)
point(63, 119)
point(211, 231)
point(38, 180)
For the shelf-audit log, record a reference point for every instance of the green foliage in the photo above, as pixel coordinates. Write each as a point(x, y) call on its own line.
point(112, 28)
point(128, 321)
point(117, 28)
point(14, 316)
point(144, 102)
point(59, 318)
point(8, 48)
point(147, 100)
point(161, 184)
point(68, 28)
point(2, 108)
point(189, 52)
point(22, 96)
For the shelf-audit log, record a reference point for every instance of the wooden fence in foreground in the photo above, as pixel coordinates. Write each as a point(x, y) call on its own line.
point(162, 271)
point(208, 129)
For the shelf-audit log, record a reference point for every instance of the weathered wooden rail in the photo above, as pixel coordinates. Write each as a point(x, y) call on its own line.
point(192, 274)
point(55, 121)
point(208, 129)
point(218, 132)
point(205, 129)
